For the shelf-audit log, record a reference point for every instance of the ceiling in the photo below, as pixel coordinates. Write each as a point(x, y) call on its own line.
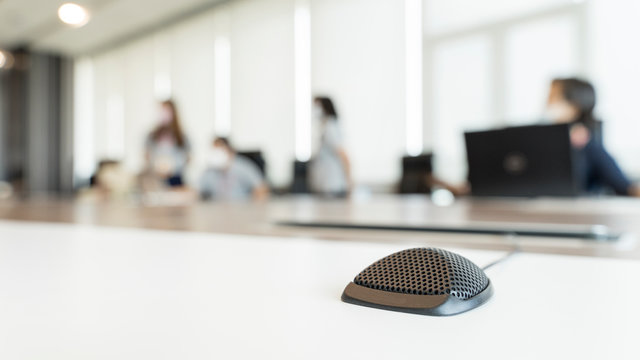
point(35, 23)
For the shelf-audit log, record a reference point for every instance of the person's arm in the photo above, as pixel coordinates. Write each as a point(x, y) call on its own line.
point(207, 185)
point(255, 181)
point(187, 150)
point(333, 138)
point(260, 192)
point(148, 144)
point(346, 166)
point(456, 190)
point(608, 170)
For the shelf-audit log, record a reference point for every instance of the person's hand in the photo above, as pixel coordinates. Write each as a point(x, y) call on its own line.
point(460, 190)
point(163, 167)
point(580, 136)
point(350, 187)
point(261, 193)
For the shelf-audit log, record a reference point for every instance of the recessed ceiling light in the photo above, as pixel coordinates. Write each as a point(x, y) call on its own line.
point(3, 59)
point(73, 14)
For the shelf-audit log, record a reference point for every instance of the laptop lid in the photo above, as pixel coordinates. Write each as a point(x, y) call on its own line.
point(526, 161)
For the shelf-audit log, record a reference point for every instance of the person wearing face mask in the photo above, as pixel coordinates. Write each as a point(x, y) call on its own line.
point(572, 101)
point(330, 170)
point(167, 149)
point(230, 176)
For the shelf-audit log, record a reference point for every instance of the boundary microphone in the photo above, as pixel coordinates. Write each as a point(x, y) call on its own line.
point(425, 281)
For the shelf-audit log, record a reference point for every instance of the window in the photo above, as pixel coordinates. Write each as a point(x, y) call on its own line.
point(484, 70)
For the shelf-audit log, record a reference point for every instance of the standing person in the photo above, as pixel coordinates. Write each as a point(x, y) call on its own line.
point(330, 169)
point(230, 176)
point(167, 149)
point(571, 101)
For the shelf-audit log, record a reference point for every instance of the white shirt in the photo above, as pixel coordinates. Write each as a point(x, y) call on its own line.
point(327, 173)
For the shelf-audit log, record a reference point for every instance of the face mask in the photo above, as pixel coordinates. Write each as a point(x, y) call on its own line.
point(560, 112)
point(165, 117)
point(218, 158)
point(317, 112)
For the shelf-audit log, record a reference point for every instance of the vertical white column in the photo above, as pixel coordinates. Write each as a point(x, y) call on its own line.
point(114, 111)
point(162, 68)
point(222, 85)
point(83, 141)
point(115, 147)
point(302, 65)
point(413, 76)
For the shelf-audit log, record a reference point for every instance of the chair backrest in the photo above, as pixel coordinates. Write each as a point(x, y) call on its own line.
point(415, 171)
point(256, 158)
point(597, 131)
point(300, 184)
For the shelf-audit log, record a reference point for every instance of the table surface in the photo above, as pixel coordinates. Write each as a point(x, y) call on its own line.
point(618, 214)
point(77, 291)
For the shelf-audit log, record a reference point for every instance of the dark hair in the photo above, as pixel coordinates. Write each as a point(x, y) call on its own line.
point(581, 94)
point(174, 127)
point(224, 141)
point(327, 106)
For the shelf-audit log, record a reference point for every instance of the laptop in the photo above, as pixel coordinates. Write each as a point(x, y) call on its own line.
point(524, 161)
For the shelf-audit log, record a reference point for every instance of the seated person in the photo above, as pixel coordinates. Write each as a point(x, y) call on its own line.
point(110, 181)
point(572, 101)
point(230, 176)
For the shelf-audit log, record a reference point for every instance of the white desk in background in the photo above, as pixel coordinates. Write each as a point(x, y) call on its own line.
point(84, 292)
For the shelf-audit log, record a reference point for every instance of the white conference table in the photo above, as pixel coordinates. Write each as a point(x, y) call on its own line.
point(86, 292)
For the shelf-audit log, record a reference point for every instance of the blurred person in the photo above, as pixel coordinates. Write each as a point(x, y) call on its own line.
point(330, 168)
point(110, 182)
point(167, 149)
point(572, 101)
point(231, 176)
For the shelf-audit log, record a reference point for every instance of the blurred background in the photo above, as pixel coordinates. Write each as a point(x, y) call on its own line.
point(406, 77)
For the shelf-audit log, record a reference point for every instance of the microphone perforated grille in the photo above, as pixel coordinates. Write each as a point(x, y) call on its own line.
point(425, 271)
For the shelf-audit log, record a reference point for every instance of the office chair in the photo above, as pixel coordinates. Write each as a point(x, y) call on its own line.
point(300, 184)
point(415, 172)
point(256, 158)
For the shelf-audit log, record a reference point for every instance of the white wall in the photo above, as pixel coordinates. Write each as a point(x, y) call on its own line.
point(493, 69)
point(357, 51)
point(482, 67)
point(128, 80)
point(262, 82)
point(192, 85)
point(451, 15)
point(460, 101)
point(357, 58)
point(108, 137)
point(179, 62)
point(614, 65)
point(83, 120)
point(140, 105)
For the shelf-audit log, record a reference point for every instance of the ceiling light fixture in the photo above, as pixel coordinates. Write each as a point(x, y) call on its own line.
point(73, 14)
